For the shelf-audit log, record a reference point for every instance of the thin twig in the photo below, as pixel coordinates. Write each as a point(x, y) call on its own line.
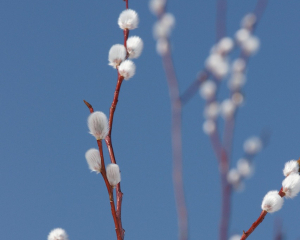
point(259, 220)
point(118, 226)
point(221, 19)
point(110, 191)
point(176, 146)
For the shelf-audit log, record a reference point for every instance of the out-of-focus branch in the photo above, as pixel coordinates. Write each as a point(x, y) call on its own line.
point(221, 19)
point(176, 145)
point(278, 230)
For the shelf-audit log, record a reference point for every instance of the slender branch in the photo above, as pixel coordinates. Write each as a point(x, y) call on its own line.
point(254, 225)
point(193, 88)
point(176, 145)
point(259, 220)
point(108, 140)
point(109, 190)
point(221, 19)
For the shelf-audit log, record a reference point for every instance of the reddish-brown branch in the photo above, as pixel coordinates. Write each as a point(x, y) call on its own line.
point(126, 34)
point(176, 146)
point(110, 191)
point(254, 225)
point(89, 106)
point(260, 219)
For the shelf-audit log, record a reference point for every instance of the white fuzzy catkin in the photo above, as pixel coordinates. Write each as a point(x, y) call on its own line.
point(211, 111)
point(238, 65)
point(134, 46)
point(272, 202)
point(227, 108)
point(168, 20)
point(98, 125)
point(128, 19)
point(162, 46)
point(237, 81)
point(157, 6)
point(93, 159)
point(58, 234)
point(251, 45)
point(116, 55)
point(225, 45)
point(209, 127)
point(237, 98)
point(242, 35)
point(235, 237)
point(248, 21)
point(290, 167)
point(291, 185)
point(218, 65)
point(244, 167)
point(233, 177)
point(113, 174)
point(252, 145)
point(208, 89)
point(127, 69)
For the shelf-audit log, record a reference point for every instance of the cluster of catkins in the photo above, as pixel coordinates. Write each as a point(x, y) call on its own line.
point(245, 167)
point(273, 200)
point(98, 125)
point(97, 121)
point(163, 27)
point(118, 53)
point(218, 66)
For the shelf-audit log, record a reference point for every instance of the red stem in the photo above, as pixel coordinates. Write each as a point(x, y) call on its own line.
point(109, 190)
point(108, 142)
point(254, 225)
point(259, 220)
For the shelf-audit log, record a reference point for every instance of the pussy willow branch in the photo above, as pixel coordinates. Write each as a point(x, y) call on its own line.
point(109, 188)
point(262, 216)
point(221, 19)
point(108, 138)
point(227, 146)
point(203, 75)
point(176, 145)
point(259, 220)
point(110, 191)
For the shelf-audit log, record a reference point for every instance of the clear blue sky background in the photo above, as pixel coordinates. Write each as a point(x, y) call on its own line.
point(53, 54)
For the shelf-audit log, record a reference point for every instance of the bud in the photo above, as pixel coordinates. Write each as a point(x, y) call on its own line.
point(128, 19)
point(134, 46)
point(127, 69)
point(242, 35)
point(291, 167)
point(272, 202)
point(208, 89)
point(113, 174)
point(227, 108)
point(58, 234)
point(225, 45)
point(244, 167)
point(116, 55)
point(93, 159)
point(252, 145)
point(98, 125)
point(291, 185)
point(209, 127)
point(157, 6)
point(251, 45)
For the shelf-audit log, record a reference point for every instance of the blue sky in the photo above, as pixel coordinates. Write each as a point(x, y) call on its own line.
point(54, 55)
